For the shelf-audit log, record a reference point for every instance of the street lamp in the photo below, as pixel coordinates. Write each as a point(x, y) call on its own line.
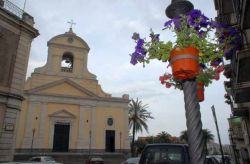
point(178, 7)
point(192, 107)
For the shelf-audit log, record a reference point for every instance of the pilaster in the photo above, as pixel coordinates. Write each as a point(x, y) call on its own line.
point(43, 115)
point(29, 126)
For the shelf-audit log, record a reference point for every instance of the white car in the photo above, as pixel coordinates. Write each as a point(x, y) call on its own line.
point(42, 159)
point(134, 160)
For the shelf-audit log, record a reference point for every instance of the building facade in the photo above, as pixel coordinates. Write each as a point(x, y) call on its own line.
point(65, 109)
point(16, 34)
point(236, 13)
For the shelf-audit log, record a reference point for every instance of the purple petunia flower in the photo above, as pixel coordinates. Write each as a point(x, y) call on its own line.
point(136, 36)
point(195, 13)
point(203, 21)
point(216, 62)
point(140, 42)
point(168, 23)
point(140, 50)
point(177, 23)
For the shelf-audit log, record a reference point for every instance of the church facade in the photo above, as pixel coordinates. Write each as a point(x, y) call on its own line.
point(65, 109)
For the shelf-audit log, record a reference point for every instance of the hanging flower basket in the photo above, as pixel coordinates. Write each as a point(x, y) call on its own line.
point(185, 63)
point(200, 91)
point(200, 42)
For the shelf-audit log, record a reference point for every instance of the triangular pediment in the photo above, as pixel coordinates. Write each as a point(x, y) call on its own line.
point(63, 114)
point(64, 87)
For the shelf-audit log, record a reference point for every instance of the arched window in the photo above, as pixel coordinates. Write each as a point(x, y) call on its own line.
point(67, 62)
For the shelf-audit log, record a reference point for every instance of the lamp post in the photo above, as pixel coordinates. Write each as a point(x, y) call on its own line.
point(192, 107)
point(218, 133)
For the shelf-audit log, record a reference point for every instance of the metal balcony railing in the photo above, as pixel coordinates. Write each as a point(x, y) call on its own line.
point(11, 8)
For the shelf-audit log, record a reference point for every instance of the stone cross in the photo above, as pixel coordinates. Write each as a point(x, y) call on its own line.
point(71, 23)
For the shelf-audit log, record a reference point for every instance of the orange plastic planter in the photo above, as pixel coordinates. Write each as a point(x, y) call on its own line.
point(185, 63)
point(200, 91)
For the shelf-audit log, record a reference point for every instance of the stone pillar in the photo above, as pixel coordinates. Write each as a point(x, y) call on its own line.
point(29, 126)
point(93, 127)
point(39, 143)
point(80, 140)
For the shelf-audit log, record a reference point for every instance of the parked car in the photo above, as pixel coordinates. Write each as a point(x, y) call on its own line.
point(95, 160)
point(134, 160)
point(37, 160)
point(211, 160)
point(43, 159)
point(165, 154)
point(227, 159)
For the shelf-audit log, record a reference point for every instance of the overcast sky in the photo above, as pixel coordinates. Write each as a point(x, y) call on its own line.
point(107, 27)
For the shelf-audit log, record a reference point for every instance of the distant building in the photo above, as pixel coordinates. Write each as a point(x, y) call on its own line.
point(236, 13)
point(214, 149)
point(66, 110)
point(16, 34)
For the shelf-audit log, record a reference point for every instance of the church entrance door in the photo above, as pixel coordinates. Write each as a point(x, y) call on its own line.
point(110, 141)
point(61, 138)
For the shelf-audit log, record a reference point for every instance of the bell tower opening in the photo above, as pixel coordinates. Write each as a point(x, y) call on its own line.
point(67, 62)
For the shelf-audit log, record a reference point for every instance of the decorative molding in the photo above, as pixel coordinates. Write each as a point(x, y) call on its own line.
point(66, 35)
point(62, 114)
point(77, 100)
point(58, 82)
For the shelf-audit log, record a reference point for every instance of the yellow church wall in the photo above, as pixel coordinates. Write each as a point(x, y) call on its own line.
point(64, 89)
point(74, 110)
point(102, 114)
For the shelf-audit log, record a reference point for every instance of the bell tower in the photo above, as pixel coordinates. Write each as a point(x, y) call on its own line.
point(67, 56)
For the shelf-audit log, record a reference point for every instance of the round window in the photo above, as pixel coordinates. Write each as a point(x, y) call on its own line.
point(70, 39)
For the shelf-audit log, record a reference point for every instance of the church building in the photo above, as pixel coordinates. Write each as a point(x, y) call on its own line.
point(66, 110)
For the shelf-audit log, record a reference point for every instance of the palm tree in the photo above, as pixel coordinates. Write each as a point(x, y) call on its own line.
point(207, 135)
point(138, 116)
point(163, 137)
point(184, 137)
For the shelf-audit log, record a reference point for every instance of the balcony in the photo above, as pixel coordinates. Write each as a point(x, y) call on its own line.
point(10, 7)
point(227, 11)
point(235, 125)
point(245, 24)
point(241, 87)
point(12, 10)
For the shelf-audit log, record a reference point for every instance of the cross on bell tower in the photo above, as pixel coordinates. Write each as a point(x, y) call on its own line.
point(71, 24)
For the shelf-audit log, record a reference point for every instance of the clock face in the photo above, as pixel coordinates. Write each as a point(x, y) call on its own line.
point(110, 121)
point(70, 39)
